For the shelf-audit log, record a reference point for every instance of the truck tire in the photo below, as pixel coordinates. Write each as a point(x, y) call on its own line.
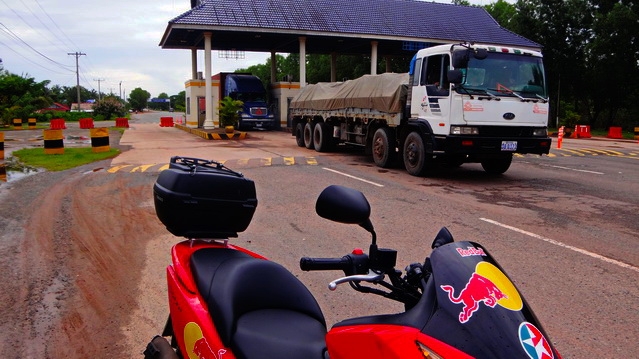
point(299, 134)
point(497, 166)
point(414, 155)
point(322, 137)
point(384, 147)
point(308, 135)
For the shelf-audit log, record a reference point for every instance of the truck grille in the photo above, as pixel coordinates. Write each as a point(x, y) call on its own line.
point(259, 111)
point(503, 131)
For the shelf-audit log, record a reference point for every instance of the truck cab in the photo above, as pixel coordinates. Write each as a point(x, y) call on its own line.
point(250, 90)
point(480, 103)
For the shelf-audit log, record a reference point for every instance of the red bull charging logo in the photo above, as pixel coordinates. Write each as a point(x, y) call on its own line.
point(487, 285)
point(196, 345)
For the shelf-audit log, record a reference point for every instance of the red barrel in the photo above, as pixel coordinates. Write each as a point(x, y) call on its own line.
point(57, 124)
point(86, 123)
point(166, 121)
point(615, 132)
point(122, 122)
point(583, 131)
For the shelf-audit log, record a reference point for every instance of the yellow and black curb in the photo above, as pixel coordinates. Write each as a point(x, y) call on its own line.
point(53, 142)
point(99, 139)
point(217, 134)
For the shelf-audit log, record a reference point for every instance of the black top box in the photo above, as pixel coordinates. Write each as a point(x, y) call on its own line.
point(196, 198)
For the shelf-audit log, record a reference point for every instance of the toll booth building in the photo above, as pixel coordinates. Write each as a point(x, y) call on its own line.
point(375, 28)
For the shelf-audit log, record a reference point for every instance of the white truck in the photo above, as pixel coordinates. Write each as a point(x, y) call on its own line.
point(459, 103)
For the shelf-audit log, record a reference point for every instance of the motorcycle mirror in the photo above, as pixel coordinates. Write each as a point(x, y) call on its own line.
point(344, 205)
point(443, 237)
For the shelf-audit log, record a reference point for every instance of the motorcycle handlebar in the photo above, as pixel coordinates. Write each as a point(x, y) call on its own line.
point(311, 264)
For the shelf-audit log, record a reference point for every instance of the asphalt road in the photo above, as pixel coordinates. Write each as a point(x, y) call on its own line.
point(564, 226)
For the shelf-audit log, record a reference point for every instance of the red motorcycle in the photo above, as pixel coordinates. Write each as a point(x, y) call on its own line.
point(227, 302)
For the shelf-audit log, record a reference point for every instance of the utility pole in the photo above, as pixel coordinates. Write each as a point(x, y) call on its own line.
point(99, 94)
point(77, 72)
point(120, 90)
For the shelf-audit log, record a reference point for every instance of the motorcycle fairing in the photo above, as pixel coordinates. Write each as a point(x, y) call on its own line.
point(479, 308)
point(384, 341)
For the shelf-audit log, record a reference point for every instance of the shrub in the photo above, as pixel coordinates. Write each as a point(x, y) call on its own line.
point(109, 107)
point(229, 111)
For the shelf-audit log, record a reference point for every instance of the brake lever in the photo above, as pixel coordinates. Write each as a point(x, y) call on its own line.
point(370, 277)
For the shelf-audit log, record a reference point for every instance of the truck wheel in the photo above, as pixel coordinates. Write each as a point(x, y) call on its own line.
point(414, 155)
point(308, 135)
point(383, 148)
point(299, 134)
point(321, 137)
point(497, 166)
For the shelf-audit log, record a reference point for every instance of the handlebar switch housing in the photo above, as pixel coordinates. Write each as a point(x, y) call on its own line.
point(382, 258)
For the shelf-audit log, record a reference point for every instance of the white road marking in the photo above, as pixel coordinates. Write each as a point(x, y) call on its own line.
point(573, 169)
point(353, 177)
point(560, 244)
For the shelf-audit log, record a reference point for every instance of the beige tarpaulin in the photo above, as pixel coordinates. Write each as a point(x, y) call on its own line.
point(385, 93)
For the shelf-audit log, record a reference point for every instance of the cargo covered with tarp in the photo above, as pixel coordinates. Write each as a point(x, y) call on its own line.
point(384, 93)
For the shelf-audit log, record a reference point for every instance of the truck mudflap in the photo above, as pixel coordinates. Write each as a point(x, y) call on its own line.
point(477, 146)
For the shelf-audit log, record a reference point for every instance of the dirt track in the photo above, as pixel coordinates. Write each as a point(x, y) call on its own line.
point(74, 282)
point(70, 276)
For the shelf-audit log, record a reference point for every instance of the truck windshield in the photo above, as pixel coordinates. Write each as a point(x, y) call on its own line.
point(504, 74)
point(249, 96)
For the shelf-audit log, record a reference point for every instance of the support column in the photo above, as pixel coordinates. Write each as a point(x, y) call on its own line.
point(387, 59)
point(193, 64)
point(374, 57)
point(333, 66)
point(273, 67)
point(302, 40)
point(208, 86)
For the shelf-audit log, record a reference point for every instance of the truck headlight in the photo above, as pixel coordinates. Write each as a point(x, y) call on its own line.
point(464, 130)
point(540, 132)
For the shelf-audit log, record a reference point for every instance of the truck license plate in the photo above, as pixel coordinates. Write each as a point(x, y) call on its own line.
point(509, 145)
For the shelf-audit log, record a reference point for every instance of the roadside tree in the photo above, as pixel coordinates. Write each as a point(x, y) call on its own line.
point(20, 96)
point(138, 99)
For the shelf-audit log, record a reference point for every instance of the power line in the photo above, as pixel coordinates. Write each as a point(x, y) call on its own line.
point(31, 61)
point(55, 43)
point(56, 25)
point(12, 34)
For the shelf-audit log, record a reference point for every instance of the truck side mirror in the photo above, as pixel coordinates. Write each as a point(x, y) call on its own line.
point(455, 76)
point(480, 54)
point(460, 59)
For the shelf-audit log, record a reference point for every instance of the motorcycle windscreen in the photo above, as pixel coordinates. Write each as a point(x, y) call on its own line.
point(480, 311)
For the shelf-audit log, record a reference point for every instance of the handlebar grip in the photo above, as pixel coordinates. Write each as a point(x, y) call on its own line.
point(310, 264)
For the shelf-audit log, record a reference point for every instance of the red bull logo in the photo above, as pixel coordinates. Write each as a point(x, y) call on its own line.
point(534, 343)
point(196, 344)
point(487, 285)
point(471, 251)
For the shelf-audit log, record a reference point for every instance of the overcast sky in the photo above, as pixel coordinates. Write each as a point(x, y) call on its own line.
point(119, 37)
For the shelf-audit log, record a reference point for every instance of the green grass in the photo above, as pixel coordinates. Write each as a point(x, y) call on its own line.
point(72, 157)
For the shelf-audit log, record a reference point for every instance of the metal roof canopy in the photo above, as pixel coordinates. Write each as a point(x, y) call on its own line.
point(400, 27)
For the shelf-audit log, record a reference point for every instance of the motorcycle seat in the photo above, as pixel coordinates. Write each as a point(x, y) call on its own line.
point(258, 307)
